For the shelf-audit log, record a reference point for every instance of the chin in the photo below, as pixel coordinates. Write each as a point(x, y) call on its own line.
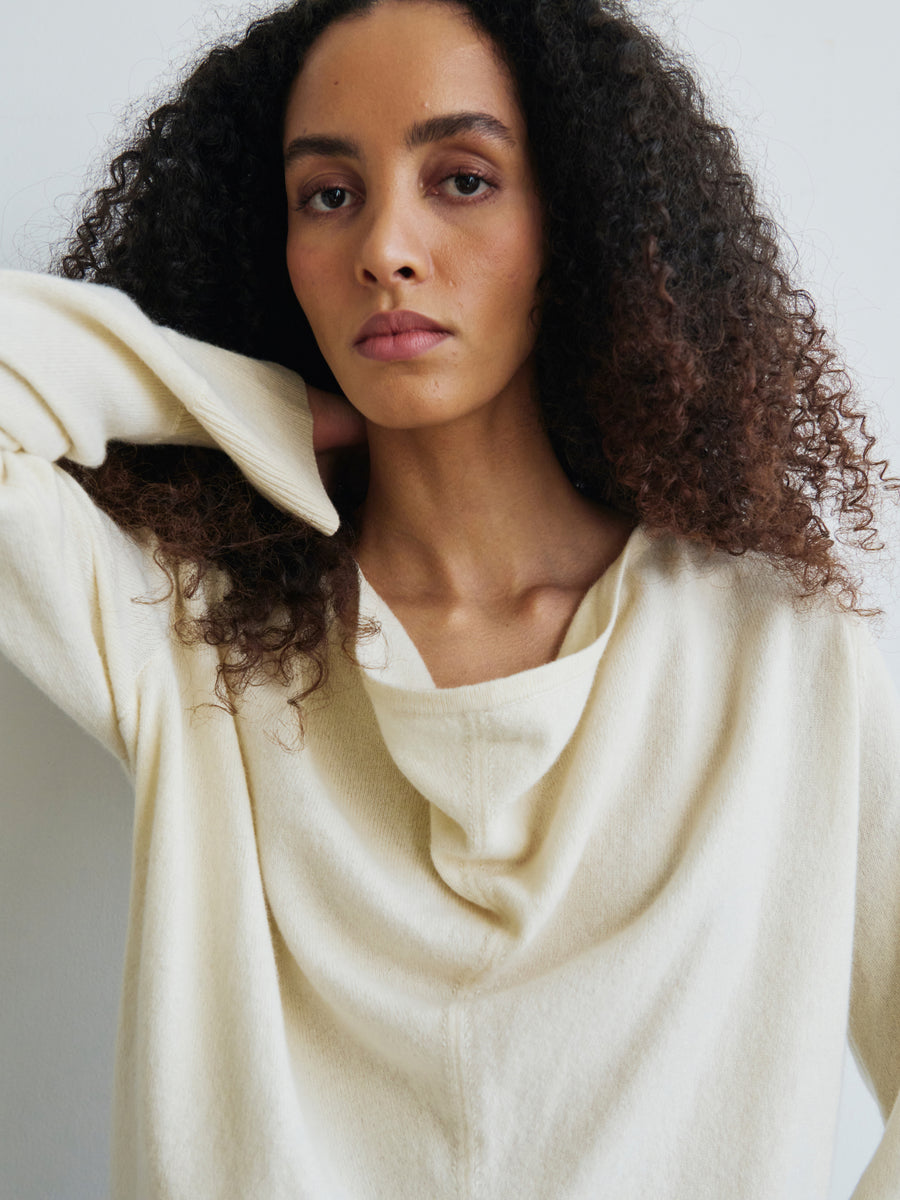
point(409, 419)
point(394, 406)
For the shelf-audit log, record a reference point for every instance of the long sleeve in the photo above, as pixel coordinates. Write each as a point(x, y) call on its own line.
point(80, 365)
point(875, 995)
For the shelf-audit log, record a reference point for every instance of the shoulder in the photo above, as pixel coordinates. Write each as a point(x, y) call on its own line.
point(736, 602)
point(750, 580)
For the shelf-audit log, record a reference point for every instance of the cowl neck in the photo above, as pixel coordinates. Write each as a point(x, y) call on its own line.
point(474, 749)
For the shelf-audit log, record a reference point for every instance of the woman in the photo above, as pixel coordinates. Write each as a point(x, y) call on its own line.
point(589, 837)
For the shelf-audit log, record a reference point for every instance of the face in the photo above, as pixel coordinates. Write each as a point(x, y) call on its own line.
point(415, 232)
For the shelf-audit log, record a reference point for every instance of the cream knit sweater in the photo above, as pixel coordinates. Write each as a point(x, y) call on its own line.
point(593, 930)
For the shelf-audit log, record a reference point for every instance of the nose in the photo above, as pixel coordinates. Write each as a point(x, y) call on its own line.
point(394, 246)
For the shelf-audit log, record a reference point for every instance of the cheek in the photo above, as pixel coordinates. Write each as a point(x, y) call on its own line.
point(309, 269)
point(526, 248)
point(514, 261)
point(516, 241)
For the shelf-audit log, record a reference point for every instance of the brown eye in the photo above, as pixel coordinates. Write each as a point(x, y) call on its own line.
point(332, 197)
point(328, 199)
point(467, 185)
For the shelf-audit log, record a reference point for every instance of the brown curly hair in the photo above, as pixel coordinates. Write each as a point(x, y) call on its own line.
point(684, 380)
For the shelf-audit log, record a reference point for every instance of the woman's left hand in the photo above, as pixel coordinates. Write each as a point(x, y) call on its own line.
point(337, 426)
point(336, 423)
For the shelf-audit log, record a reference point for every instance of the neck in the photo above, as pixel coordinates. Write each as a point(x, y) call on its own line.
point(477, 510)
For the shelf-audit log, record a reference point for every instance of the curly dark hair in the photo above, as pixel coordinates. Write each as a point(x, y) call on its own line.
point(684, 380)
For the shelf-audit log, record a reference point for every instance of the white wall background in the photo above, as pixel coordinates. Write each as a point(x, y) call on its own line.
point(812, 89)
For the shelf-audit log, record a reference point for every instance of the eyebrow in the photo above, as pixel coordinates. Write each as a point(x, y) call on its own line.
point(423, 133)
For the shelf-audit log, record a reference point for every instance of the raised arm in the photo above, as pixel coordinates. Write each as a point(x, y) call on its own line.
point(80, 365)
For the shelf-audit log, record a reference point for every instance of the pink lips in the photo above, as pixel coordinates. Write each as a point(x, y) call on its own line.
point(391, 336)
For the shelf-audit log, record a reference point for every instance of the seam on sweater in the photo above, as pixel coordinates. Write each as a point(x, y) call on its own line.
point(458, 1048)
point(457, 1091)
point(162, 650)
point(476, 1172)
point(469, 1172)
point(470, 807)
point(136, 713)
point(475, 799)
point(125, 708)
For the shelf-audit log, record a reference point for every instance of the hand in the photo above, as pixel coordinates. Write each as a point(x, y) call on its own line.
point(337, 426)
point(336, 423)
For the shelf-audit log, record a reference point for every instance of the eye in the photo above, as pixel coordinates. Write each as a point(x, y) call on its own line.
point(468, 184)
point(327, 199)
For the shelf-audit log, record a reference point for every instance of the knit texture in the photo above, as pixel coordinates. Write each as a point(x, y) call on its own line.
point(599, 928)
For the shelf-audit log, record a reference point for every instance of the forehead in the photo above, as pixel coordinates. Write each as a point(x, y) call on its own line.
point(398, 63)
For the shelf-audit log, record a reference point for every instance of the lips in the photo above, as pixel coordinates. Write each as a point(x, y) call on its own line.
point(390, 324)
point(398, 336)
